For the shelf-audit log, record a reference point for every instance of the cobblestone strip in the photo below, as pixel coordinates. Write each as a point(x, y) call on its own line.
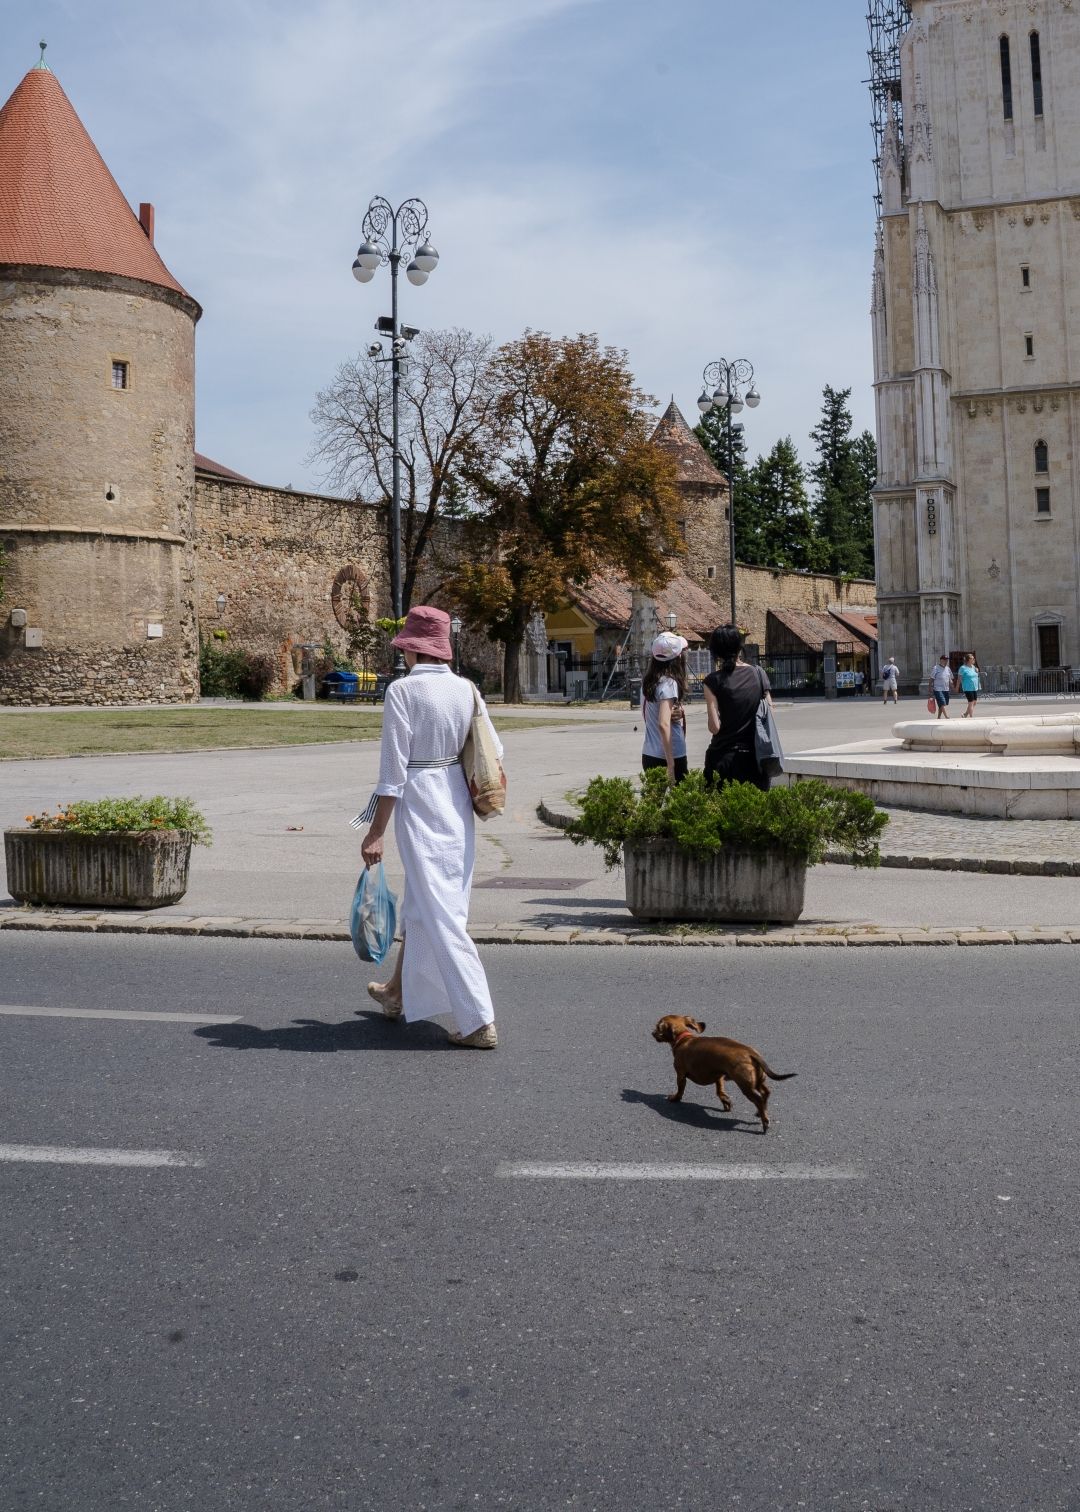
point(844, 936)
point(947, 842)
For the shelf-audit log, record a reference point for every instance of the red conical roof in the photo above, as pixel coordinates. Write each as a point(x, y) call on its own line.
point(60, 207)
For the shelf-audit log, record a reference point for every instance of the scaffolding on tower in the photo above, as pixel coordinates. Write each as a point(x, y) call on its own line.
point(887, 21)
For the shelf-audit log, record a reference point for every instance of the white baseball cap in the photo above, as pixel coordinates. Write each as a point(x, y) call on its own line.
point(667, 646)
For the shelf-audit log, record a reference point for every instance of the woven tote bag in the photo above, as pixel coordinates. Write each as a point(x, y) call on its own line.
point(483, 769)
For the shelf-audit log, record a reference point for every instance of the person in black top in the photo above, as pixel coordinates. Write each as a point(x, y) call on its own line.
point(732, 695)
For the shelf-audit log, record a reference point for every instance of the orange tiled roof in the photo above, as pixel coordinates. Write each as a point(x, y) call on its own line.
point(606, 601)
point(60, 207)
point(208, 465)
point(691, 459)
point(864, 625)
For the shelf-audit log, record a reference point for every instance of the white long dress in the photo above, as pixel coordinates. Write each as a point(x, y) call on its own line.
point(426, 718)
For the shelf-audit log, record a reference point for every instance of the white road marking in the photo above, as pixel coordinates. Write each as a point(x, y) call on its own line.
point(595, 1170)
point(59, 1155)
point(16, 1010)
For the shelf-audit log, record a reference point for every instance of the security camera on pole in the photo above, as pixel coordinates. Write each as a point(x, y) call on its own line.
point(723, 381)
point(392, 236)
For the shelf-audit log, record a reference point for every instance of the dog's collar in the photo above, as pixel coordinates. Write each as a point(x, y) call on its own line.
point(684, 1034)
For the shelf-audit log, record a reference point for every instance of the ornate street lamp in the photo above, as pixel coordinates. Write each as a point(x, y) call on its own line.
point(729, 378)
point(672, 620)
point(395, 236)
point(455, 631)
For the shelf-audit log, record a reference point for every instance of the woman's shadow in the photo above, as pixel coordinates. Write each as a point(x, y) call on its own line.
point(367, 1030)
point(692, 1114)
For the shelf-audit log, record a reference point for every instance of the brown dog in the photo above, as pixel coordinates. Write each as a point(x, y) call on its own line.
point(709, 1059)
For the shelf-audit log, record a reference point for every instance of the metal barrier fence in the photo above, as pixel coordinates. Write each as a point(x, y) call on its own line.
point(1028, 682)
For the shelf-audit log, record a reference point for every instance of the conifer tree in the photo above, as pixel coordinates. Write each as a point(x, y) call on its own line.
point(778, 484)
point(841, 504)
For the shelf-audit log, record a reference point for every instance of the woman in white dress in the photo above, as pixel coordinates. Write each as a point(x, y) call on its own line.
point(426, 719)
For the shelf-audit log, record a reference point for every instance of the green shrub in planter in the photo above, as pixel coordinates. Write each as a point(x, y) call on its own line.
point(802, 822)
point(124, 816)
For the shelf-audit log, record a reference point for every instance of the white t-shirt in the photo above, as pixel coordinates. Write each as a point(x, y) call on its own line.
point(890, 674)
point(654, 746)
point(942, 679)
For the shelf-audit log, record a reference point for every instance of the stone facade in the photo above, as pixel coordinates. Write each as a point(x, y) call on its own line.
point(703, 521)
point(976, 327)
point(759, 589)
point(97, 489)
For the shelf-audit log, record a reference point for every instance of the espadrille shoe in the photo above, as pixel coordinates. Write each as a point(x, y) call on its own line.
point(483, 1038)
point(389, 1001)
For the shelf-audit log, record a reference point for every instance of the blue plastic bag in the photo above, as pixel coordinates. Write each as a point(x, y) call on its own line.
point(373, 916)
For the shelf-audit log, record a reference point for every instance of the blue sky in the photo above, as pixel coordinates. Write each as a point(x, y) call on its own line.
point(690, 179)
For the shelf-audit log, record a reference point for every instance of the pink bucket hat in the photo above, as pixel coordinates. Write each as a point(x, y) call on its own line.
point(427, 632)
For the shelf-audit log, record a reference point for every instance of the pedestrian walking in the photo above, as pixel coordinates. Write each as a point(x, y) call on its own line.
point(941, 682)
point(732, 695)
point(426, 718)
point(969, 683)
point(890, 682)
point(663, 689)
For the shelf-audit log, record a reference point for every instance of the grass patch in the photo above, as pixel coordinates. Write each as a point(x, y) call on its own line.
point(103, 732)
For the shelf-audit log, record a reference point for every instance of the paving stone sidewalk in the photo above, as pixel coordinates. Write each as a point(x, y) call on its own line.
point(683, 936)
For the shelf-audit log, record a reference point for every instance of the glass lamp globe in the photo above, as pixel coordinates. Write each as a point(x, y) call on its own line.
point(368, 256)
point(415, 273)
point(362, 274)
point(455, 626)
point(704, 403)
point(672, 619)
point(426, 257)
point(720, 398)
point(736, 404)
point(753, 399)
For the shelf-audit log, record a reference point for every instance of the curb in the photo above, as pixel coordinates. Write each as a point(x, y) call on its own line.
point(1000, 866)
point(204, 926)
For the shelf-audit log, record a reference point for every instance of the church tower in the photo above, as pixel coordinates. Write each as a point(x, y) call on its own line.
point(976, 330)
point(97, 384)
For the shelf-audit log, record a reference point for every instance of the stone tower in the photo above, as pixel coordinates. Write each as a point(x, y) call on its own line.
point(97, 383)
point(703, 524)
point(976, 333)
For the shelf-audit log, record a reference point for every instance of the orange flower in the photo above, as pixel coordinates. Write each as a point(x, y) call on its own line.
point(29, 818)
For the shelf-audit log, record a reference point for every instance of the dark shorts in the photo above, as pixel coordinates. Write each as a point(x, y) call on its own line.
point(682, 765)
point(941, 699)
point(971, 697)
point(736, 764)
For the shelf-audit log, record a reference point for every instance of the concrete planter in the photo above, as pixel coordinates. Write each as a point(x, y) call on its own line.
point(147, 870)
point(663, 881)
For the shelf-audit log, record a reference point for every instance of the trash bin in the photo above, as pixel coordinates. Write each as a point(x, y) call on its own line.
point(635, 692)
point(342, 687)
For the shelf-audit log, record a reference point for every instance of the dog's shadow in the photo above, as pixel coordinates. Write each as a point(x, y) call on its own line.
point(692, 1114)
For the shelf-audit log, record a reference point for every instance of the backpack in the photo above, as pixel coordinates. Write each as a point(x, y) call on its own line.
point(767, 748)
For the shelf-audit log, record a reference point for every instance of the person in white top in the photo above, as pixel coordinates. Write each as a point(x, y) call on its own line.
point(426, 719)
point(890, 681)
point(941, 680)
point(663, 690)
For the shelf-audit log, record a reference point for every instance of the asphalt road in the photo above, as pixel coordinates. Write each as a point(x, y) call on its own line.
point(345, 1306)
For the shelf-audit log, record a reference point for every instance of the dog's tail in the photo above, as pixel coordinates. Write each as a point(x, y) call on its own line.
point(777, 1075)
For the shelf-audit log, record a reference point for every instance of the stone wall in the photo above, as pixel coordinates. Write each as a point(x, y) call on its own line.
point(96, 489)
point(759, 589)
point(704, 530)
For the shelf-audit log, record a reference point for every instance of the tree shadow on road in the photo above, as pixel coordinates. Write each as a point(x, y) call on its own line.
point(691, 1114)
point(369, 1030)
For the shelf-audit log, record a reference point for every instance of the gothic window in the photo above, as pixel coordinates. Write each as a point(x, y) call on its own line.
point(1006, 79)
point(1042, 457)
point(1029, 345)
point(1036, 73)
point(119, 375)
point(1025, 276)
point(1042, 501)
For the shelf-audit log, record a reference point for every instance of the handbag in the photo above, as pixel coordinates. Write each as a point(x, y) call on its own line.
point(767, 748)
point(480, 762)
point(931, 704)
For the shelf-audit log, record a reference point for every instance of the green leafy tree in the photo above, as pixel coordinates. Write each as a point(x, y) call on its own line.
point(778, 484)
point(842, 508)
point(565, 483)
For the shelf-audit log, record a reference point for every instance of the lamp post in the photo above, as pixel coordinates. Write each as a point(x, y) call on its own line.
point(722, 381)
point(455, 631)
point(671, 619)
point(395, 236)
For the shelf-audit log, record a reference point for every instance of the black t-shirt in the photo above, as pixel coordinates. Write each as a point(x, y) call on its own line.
point(737, 696)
